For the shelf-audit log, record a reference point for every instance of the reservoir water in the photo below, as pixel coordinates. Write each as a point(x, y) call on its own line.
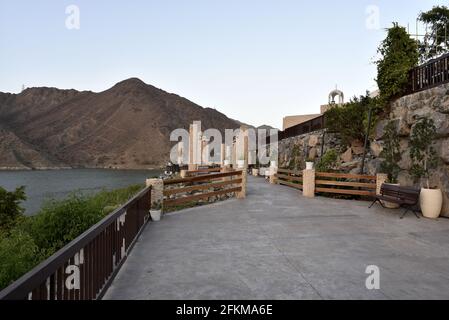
point(57, 184)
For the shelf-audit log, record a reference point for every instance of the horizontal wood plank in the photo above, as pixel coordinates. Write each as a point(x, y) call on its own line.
point(169, 192)
point(346, 191)
point(208, 177)
point(346, 184)
point(345, 175)
point(174, 202)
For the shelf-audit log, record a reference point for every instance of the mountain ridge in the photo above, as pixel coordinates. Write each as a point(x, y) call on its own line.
point(126, 126)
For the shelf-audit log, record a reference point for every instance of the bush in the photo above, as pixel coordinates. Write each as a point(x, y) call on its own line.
point(399, 54)
point(422, 152)
point(350, 119)
point(18, 255)
point(391, 152)
point(328, 161)
point(57, 223)
point(10, 209)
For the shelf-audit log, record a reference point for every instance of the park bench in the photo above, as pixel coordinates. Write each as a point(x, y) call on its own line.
point(406, 197)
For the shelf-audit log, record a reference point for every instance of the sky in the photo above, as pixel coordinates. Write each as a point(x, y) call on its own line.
point(256, 61)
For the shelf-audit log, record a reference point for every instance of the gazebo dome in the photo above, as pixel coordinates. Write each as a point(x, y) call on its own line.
point(335, 93)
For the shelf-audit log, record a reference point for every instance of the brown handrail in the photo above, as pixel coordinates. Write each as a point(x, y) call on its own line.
point(203, 177)
point(98, 253)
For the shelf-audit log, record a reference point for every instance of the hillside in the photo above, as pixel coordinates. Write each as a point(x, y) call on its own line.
point(126, 126)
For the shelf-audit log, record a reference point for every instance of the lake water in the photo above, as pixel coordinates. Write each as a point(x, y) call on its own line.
point(57, 184)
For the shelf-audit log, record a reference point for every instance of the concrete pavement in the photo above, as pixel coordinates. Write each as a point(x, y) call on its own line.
point(275, 244)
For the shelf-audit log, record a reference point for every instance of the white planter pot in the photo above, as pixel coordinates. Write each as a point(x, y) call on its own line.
point(155, 215)
point(240, 164)
point(255, 172)
point(431, 201)
point(273, 164)
point(391, 205)
point(309, 165)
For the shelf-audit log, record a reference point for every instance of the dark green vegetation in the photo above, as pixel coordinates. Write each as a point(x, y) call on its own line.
point(351, 119)
point(26, 241)
point(328, 161)
point(422, 151)
point(436, 43)
point(399, 54)
point(391, 152)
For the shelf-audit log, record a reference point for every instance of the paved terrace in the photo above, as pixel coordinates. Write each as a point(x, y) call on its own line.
point(276, 244)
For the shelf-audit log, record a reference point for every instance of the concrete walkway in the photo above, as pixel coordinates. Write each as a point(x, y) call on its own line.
point(278, 245)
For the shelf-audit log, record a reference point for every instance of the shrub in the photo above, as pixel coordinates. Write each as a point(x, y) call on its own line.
point(422, 152)
point(399, 54)
point(328, 161)
point(10, 209)
point(391, 152)
point(18, 255)
point(350, 119)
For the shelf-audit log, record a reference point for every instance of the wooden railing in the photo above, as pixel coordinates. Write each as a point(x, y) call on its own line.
point(202, 187)
point(85, 267)
point(331, 183)
point(429, 75)
point(314, 124)
point(289, 178)
point(202, 171)
point(346, 184)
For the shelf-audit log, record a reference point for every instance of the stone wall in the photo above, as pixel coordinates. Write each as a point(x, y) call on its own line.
point(432, 103)
point(295, 151)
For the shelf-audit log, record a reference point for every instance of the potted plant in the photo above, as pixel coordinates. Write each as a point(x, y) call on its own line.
point(392, 155)
point(424, 159)
point(156, 210)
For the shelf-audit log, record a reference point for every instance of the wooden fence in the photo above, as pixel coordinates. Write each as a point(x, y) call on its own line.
point(289, 178)
point(333, 183)
point(346, 184)
point(202, 187)
point(85, 267)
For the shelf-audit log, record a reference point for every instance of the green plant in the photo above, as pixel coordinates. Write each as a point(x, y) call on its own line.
point(422, 152)
point(350, 119)
point(10, 209)
point(435, 43)
point(328, 161)
point(18, 254)
point(399, 54)
point(156, 205)
point(391, 152)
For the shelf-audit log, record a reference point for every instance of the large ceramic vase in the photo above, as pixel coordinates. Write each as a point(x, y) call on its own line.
point(431, 201)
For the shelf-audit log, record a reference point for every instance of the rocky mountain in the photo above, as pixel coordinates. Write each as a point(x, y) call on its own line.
point(126, 126)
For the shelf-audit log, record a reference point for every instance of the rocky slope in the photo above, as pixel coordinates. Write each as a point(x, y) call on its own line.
point(127, 126)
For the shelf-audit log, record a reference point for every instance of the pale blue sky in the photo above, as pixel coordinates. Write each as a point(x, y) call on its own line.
point(255, 61)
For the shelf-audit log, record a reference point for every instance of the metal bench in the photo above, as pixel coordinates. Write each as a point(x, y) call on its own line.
point(406, 197)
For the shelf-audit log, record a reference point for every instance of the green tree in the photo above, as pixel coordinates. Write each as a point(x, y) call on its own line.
point(391, 152)
point(422, 152)
point(10, 209)
point(436, 42)
point(350, 119)
point(399, 54)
